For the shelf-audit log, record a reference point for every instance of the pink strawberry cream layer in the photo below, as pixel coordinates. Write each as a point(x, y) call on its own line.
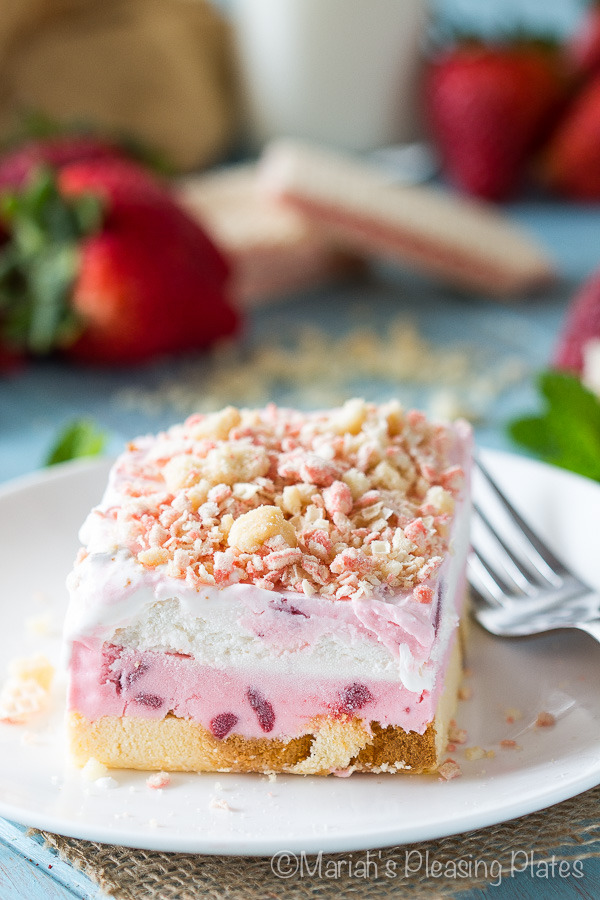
point(258, 659)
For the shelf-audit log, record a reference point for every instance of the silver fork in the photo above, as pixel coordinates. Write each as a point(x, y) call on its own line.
point(519, 586)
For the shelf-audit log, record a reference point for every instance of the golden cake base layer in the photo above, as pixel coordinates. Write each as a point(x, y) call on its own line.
point(180, 745)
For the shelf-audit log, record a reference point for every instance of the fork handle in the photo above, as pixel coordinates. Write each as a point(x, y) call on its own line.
point(592, 627)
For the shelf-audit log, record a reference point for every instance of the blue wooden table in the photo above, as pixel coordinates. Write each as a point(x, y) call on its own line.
point(35, 403)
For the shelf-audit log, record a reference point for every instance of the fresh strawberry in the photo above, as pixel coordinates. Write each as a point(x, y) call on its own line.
point(582, 325)
point(488, 107)
point(571, 160)
point(123, 186)
point(17, 165)
point(105, 266)
point(583, 50)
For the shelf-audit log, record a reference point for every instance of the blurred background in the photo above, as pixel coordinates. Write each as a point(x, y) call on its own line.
point(162, 251)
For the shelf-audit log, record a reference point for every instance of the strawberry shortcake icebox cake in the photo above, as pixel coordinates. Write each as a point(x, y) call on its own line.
point(274, 591)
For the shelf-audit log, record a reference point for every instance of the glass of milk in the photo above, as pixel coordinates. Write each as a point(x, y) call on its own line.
point(342, 72)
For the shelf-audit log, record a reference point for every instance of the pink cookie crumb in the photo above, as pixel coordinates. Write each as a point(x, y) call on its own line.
point(422, 593)
point(158, 780)
point(545, 720)
point(448, 770)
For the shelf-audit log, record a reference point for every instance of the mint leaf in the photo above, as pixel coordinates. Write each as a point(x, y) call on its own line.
point(567, 432)
point(78, 439)
point(533, 432)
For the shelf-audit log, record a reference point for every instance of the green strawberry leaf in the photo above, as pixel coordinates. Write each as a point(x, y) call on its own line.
point(80, 438)
point(50, 277)
point(567, 432)
point(88, 210)
point(40, 262)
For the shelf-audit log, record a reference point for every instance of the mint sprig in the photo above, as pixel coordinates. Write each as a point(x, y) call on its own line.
point(80, 438)
point(567, 432)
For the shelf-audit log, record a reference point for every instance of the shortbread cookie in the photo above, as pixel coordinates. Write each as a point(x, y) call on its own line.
point(460, 241)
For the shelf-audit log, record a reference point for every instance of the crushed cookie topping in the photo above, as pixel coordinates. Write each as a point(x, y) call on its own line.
point(339, 504)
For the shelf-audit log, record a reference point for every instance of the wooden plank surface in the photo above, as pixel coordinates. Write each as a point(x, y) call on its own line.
point(29, 871)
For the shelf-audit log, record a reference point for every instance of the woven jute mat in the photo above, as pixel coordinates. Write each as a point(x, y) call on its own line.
point(553, 843)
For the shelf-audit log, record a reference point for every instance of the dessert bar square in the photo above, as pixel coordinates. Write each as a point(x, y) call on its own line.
point(274, 591)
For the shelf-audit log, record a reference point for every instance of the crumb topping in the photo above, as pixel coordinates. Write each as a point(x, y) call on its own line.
point(337, 503)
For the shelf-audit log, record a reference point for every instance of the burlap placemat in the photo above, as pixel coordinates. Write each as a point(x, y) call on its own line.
point(566, 834)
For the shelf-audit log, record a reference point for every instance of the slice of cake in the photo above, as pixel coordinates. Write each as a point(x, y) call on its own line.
point(274, 591)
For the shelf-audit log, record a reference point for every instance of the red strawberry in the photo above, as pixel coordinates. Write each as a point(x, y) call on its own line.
point(584, 47)
point(17, 165)
point(488, 108)
point(125, 185)
point(571, 162)
point(582, 325)
point(103, 264)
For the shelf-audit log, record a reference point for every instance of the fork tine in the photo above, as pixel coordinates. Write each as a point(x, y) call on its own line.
point(540, 555)
point(522, 576)
point(482, 582)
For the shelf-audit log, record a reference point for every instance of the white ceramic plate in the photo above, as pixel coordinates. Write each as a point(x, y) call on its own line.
point(231, 814)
